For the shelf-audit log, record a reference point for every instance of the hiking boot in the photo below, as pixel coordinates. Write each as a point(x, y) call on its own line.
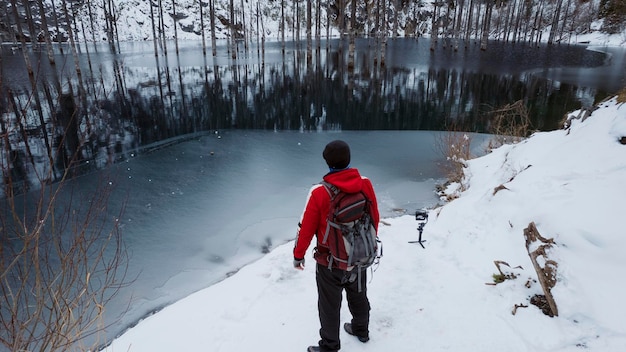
point(313, 349)
point(348, 328)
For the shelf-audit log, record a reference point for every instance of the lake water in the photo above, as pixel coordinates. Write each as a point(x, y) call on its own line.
point(133, 98)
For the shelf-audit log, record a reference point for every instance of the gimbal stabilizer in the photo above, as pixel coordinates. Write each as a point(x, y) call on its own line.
point(421, 215)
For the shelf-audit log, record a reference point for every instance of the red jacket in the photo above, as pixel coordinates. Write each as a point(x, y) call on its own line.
point(313, 221)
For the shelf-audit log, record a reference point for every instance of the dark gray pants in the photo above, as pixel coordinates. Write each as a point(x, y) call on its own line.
point(330, 284)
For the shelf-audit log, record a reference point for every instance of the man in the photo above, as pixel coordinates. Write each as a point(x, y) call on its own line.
point(332, 281)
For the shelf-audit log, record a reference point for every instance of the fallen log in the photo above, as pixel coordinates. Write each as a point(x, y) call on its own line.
point(538, 246)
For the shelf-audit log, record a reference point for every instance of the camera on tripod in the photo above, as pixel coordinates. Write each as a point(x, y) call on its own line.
point(422, 216)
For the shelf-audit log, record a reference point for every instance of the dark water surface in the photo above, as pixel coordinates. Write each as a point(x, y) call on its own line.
point(133, 98)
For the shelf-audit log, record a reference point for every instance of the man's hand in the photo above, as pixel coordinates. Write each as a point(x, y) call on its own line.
point(298, 263)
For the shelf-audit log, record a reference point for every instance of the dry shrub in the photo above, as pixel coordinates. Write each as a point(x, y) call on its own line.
point(62, 260)
point(509, 124)
point(454, 145)
point(621, 96)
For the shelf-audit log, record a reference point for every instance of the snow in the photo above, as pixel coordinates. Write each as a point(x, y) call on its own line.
point(443, 298)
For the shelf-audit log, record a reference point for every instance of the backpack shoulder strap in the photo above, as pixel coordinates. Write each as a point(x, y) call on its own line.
point(332, 190)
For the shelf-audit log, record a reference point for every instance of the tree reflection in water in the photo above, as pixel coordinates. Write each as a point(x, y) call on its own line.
point(132, 102)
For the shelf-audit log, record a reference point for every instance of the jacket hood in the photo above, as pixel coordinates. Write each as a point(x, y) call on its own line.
point(348, 180)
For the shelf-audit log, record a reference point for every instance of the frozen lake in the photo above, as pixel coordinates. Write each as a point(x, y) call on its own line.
point(200, 209)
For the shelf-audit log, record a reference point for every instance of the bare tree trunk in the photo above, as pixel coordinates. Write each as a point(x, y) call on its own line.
point(352, 44)
point(79, 76)
point(538, 24)
point(202, 27)
point(160, 82)
point(282, 24)
point(162, 27)
point(594, 10)
point(353, 9)
point(91, 82)
point(341, 23)
point(20, 114)
point(506, 33)
point(309, 39)
point(383, 49)
point(175, 24)
point(44, 24)
point(213, 37)
point(318, 24)
point(262, 37)
point(244, 29)
point(457, 25)
point(187, 126)
point(555, 22)
point(112, 25)
point(564, 18)
point(468, 30)
point(435, 25)
point(258, 25)
point(477, 23)
point(378, 22)
point(109, 17)
point(13, 168)
point(57, 82)
point(169, 93)
point(527, 25)
point(233, 52)
point(396, 8)
point(327, 28)
point(378, 32)
point(154, 32)
point(251, 30)
point(368, 26)
point(518, 22)
point(107, 22)
point(34, 39)
point(75, 21)
point(55, 17)
point(116, 33)
point(7, 20)
point(486, 27)
point(91, 21)
point(296, 22)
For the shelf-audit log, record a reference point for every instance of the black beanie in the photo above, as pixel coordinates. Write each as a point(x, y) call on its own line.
point(337, 154)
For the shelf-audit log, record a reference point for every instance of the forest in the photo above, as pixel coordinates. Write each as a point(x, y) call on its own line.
point(551, 21)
